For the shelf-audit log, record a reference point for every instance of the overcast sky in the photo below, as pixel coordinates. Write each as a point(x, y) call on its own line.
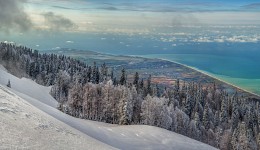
point(120, 15)
point(45, 24)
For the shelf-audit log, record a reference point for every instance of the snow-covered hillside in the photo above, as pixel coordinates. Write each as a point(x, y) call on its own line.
point(40, 118)
point(28, 87)
point(23, 126)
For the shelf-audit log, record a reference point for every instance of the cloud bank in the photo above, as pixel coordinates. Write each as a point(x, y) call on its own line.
point(13, 17)
point(58, 22)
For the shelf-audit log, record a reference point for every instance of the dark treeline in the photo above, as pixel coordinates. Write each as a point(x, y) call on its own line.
point(208, 114)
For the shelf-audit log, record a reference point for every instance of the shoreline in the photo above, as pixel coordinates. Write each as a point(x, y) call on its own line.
point(193, 68)
point(207, 74)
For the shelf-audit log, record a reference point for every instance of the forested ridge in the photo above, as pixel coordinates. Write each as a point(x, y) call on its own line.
point(207, 114)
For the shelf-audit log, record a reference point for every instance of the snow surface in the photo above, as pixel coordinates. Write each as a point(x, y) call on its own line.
point(121, 137)
point(28, 87)
point(23, 126)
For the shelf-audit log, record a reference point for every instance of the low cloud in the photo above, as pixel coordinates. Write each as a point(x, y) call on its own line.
point(252, 6)
point(70, 42)
point(62, 7)
point(58, 22)
point(202, 40)
point(13, 16)
point(112, 8)
point(212, 39)
point(242, 39)
point(230, 39)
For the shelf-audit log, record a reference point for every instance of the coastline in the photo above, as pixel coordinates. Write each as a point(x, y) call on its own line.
point(207, 74)
point(225, 82)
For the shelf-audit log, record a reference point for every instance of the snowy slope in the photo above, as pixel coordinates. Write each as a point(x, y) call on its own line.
point(122, 137)
point(28, 87)
point(22, 126)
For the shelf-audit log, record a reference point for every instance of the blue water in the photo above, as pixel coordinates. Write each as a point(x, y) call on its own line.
point(234, 62)
point(240, 71)
point(236, 67)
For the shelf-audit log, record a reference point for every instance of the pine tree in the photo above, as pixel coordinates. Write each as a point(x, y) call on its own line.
point(216, 118)
point(8, 84)
point(224, 113)
point(94, 73)
point(242, 139)
point(197, 120)
point(177, 90)
point(177, 85)
point(149, 86)
point(126, 107)
point(32, 70)
point(206, 121)
point(104, 72)
point(164, 119)
point(123, 77)
point(157, 91)
point(251, 143)
point(97, 78)
point(235, 113)
point(89, 74)
point(248, 117)
point(112, 74)
point(142, 84)
point(27, 66)
point(234, 139)
point(115, 82)
point(137, 103)
point(189, 102)
point(136, 79)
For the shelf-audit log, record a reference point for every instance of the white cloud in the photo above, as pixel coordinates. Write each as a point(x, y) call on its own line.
point(219, 40)
point(235, 40)
point(56, 48)
point(58, 22)
point(202, 40)
point(231, 39)
point(70, 42)
point(242, 39)
point(181, 33)
point(9, 42)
